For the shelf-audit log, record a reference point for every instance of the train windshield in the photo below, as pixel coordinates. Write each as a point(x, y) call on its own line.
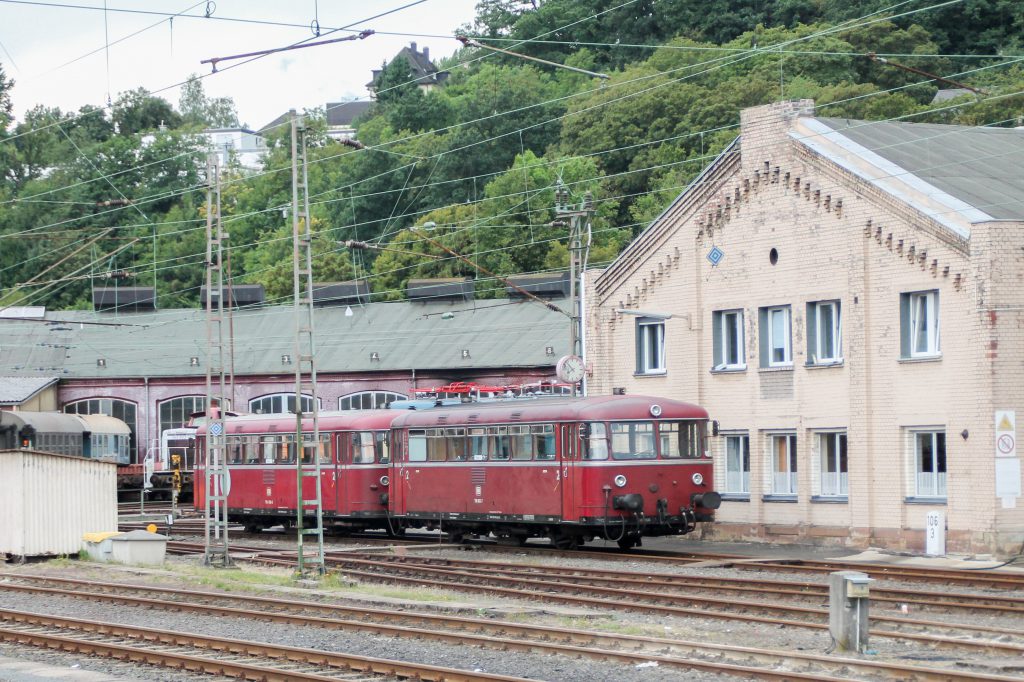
point(684, 439)
point(632, 440)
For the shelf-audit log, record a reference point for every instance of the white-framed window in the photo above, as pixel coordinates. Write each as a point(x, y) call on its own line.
point(776, 349)
point(727, 342)
point(650, 345)
point(919, 324)
point(783, 465)
point(824, 333)
point(929, 453)
point(368, 400)
point(737, 463)
point(833, 466)
point(279, 403)
point(174, 412)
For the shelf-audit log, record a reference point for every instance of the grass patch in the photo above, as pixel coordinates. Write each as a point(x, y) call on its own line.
point(612, 626)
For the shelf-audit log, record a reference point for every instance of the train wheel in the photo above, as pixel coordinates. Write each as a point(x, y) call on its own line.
point(629, 542)
point(563, 541)
point(253, 528)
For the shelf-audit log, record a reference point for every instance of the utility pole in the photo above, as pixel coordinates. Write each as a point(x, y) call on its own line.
point(216, 526)
point(577, 218)
point(307, 445)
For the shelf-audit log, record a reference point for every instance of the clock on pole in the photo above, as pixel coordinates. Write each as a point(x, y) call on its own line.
point(571, 369)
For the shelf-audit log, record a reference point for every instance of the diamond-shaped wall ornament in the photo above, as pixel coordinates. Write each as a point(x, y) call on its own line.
point(715, 255)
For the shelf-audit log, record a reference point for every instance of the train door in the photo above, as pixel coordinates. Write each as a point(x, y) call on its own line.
point(568, 454)
point(342, 467)
point(400, 468)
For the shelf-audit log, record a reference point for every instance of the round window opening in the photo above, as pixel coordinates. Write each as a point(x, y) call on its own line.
point(773, 256)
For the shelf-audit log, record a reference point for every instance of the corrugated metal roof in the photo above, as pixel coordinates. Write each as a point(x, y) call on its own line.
point(978, 165)
point(404, 335)
point(16, 390)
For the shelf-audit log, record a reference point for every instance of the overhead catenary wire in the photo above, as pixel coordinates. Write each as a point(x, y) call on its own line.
point(828, 104)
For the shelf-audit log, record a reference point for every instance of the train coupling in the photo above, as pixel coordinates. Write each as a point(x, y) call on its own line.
point(634, 502)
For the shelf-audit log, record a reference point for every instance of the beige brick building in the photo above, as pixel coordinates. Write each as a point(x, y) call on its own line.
point(847, 300)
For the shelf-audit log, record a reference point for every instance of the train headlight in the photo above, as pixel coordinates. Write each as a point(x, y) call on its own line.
point(384, 480)
point(655, 410)
point(698, 479)
point(620, 481)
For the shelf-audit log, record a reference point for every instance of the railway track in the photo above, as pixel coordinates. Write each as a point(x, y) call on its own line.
point(983, 579)
point(214, 655)
point(995, 604)
point(415, 571)
point(699, 656)
point(960, 577)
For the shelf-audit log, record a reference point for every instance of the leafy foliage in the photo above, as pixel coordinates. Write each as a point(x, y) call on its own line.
point(473, 165)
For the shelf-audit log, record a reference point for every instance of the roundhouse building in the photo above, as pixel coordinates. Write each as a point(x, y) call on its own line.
point(147, 366)
point(845, 299)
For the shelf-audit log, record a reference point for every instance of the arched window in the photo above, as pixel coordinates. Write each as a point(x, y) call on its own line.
point(174, 412)
point(112, 407)
point(368, 400)
point(279, 403)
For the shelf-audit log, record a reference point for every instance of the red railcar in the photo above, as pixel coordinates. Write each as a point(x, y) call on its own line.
point(261, 456)
point(614, 467)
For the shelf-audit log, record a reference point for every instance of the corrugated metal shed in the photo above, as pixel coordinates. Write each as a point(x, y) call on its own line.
point(404, 335)
point(978, 165)
point(49, 501)
point(16, 390)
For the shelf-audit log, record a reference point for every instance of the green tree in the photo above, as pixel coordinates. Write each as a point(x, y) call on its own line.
point(199, 111)
point(137, 111)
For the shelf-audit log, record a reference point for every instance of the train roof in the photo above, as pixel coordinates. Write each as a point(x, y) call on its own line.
point(101, 423)
point(547, 409)
point(44, 422)
point(334, 420)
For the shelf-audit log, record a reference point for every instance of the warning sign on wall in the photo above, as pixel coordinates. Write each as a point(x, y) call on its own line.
point(1006, 433)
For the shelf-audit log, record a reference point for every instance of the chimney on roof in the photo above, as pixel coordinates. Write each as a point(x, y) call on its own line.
point(412, 46)
point(426, 53)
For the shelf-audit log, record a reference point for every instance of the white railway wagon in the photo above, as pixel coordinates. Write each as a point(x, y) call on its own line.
point(50, 500)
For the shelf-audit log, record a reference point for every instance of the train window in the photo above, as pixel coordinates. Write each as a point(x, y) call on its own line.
point(363, 451)
point(633, 440)
point(597, 441)
point(234, 449)
point(543, 440)
point(479, 444)
point(268, 449)
point(456, 444)
point(437, 446)
point(681, 439)
point(502, 444)
point(383, 446)
point(418, 446)
point(521, 442)
point(286, 452)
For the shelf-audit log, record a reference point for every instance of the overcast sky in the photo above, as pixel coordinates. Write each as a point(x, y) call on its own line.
point(57, 55)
